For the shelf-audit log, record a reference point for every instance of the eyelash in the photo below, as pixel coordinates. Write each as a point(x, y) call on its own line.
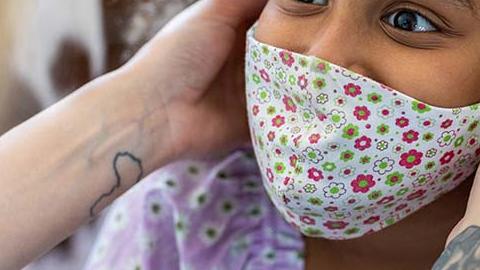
point(417, 13)
point(323, 2)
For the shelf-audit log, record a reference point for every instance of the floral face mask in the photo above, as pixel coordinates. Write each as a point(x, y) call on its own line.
point(342, 155)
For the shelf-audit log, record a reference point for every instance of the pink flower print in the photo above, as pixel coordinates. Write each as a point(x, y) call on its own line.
point(426, 123)
point(447, 157)
point(271, 136)
point(361, 112)
point(315, 175)
point(302, 82)
point(362, 183)
point(286, 180)
point(352, 90)
point(363, 143)
point(314, 138)
point(278, 121)
point(289, 104)
point(410, 136)
point(347, 171)
point(255, 110)
point(321, 116)
point(270, 175)
point(371, 220)
point(296, 140)
point(420, 107)
point(402, 122)
point(335, 225)
point(323, 67)
point(472, 141)
point(401, 207)
point(385, 112)
point(352, 200)
point(416, 194)
point(411, 159)
point(293, 160)
point(340, 101)
point(264, 75)
point(287, 58)
point(331, 208)
point(447, 123)
point(307, 220)
point(386, 199)
point(398, 102)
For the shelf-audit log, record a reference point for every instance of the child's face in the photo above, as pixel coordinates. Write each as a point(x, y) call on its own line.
point(428, 49)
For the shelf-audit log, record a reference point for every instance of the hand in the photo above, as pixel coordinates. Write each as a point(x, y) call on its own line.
point(472, 214)
point(195, 69)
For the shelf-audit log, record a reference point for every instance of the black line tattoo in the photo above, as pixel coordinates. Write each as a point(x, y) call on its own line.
point(118, 181)
point(463, 252)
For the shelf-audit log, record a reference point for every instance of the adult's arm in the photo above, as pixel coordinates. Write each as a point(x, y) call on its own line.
point(180, 96)
point(462, 252)
point(462, 248)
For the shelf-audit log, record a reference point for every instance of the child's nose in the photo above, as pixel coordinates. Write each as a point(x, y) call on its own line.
point(341, 40)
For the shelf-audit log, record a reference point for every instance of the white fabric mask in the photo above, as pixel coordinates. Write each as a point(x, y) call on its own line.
point(342, 155)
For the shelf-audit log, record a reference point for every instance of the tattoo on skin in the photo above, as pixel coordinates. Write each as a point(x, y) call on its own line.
point(119, 156)
point(463, 252)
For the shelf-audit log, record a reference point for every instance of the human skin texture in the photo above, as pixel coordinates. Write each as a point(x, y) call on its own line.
point(61, 167)
point(427, 49)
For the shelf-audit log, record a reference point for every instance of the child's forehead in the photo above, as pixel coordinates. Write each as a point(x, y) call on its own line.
point(462, 3)
point(470, 4)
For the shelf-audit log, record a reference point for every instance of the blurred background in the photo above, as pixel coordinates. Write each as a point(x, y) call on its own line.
point(49, 48)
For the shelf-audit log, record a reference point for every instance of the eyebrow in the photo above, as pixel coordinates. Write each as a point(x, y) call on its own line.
point(462, 4)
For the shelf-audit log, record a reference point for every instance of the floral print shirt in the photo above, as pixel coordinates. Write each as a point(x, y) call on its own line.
point(198, 215)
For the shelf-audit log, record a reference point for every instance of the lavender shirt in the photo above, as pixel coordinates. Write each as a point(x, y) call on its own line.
point(198, 215)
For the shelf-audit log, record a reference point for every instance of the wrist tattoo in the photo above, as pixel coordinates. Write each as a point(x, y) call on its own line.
point(118, 181)
point(463, 252)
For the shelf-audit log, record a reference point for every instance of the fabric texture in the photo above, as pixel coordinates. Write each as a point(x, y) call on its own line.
point(342, 155)
point(198, 215)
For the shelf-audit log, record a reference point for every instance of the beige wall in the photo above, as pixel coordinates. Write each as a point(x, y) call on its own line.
point(16, 102)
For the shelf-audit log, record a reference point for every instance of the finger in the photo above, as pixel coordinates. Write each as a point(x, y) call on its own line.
point(235, 13)
point(226, 12)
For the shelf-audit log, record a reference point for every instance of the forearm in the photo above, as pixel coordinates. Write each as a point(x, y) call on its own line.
point(462, 252)
point(67, 163)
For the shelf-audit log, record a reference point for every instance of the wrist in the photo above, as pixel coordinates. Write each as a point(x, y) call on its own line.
point(132, 119)
point(164, 97)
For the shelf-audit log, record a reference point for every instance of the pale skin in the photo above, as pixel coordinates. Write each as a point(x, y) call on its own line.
point(61, 167)
point(181, 96)
point(437, 61)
